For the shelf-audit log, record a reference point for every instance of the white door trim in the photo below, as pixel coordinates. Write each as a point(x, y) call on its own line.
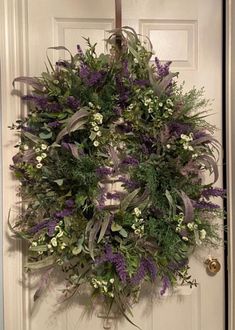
point(13, 61)
point(13, 56)
point(230, 157)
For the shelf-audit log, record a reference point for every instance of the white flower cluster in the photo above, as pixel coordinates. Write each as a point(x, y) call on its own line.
point(186, 139)
point(138, 226)
point(168, 108)
point(96, 133)
point(54, 241)
point(41, 154)
point(105, 286)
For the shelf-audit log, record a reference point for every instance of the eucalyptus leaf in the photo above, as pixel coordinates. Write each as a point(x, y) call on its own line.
point(115, 227)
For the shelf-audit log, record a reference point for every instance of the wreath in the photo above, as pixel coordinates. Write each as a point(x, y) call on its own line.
point(111, 163)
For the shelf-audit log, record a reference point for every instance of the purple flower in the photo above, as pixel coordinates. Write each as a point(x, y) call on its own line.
point(117, 259)
point(73, 103)
point(40, 101)
point(129, 160)
point(177, 128)
point(51, 227)
point(64, 213)
point(79, 51)
point(49, 224)
point(54, 124)
point(113, 195)
point(127, 183)
point(90, 77)
point(146, 266)
point(205, 205)
point(54, 107)
point(165, 285)
point(103, 171)
point(38, 227)
point(199, 134)
point(213, 192)
point(162, 69)
point(70, 203)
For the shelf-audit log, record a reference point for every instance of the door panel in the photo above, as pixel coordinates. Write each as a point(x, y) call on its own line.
point(187, 32)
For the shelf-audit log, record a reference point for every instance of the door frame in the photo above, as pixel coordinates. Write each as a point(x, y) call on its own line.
point(13, 63)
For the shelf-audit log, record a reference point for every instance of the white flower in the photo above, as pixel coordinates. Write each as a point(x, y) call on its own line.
point(93, 123)
point(190, 148)
point(137, 211)
point(49, 246)
point(25, 147)
point(150, 110)
point(160, 104)
point(96, 128)
point(98, 118)
point(135, 60)
point(54, 241)
point(60, 234)
point(111, 294)
point(185, 146)
point(39, 158)
point(43, 155)
point(190, 226)
point(168, 146)
point(98, 133)
point(34, 244)
point(105, 289)
point(39, 165)
point(202, 234)
point(96, 143)
point(37, 150)
point(194, 156)
point(133, 226)
point(43, 147)
point(63, 246)
point(111, 280)
point(184, 137)
point(91, 105)
point(184, 238)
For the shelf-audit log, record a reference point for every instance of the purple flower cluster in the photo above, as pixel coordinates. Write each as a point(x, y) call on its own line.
point(80, 51)
point(177, 128)
point(41, 102)
point(165, 285)
point(127, 183)
point(162, 70)
point(113, 195)
point(206, 205)
point(118, 260)
point(73, 103)
point(213, 192)
point(103, 171)
point(49, 224)
point(54, 124)
point(146, 266)
point(91, 78)
point(54, 107)
point(129, 160)
point(63, 213)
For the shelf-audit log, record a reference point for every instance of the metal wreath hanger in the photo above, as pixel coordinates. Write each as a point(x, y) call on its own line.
point(118, 21)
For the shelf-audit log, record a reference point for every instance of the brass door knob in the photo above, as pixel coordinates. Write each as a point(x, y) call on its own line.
point(213, 266)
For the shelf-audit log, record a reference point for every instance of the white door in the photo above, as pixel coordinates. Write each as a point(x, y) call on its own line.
point(189, 32)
